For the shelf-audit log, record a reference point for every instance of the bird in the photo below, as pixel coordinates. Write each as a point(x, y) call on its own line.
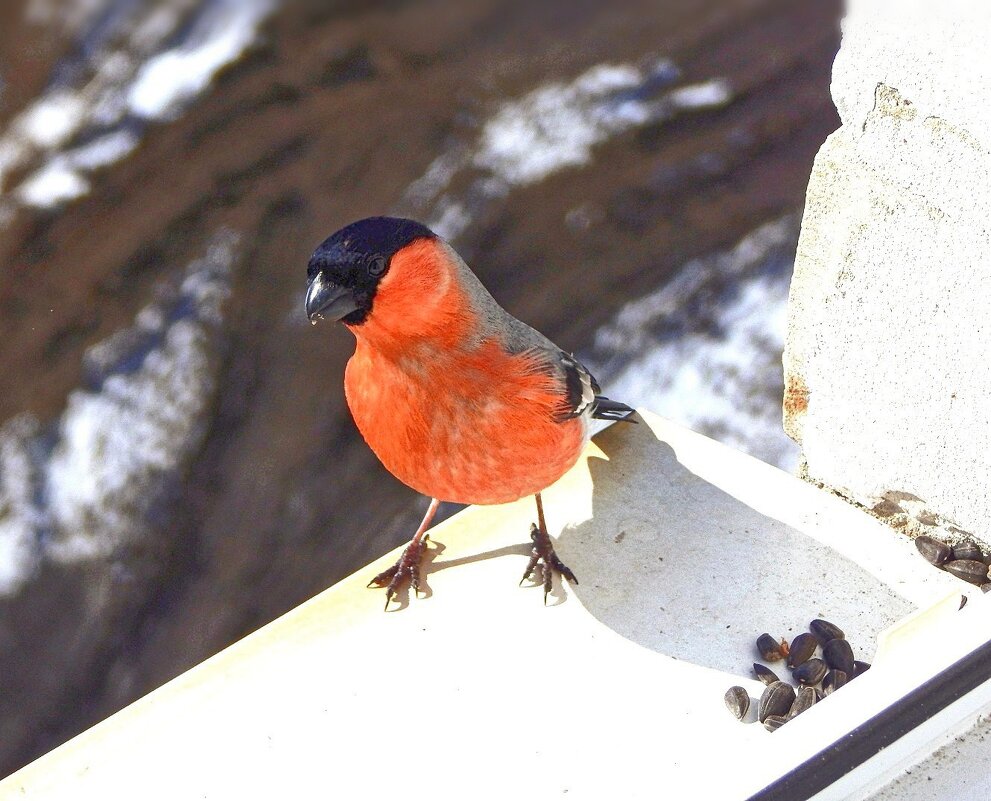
point(457, 398)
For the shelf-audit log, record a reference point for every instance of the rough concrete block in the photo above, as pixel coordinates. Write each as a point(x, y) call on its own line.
point(888, 355)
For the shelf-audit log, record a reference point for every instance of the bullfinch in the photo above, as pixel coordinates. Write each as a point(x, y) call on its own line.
point(458, 399)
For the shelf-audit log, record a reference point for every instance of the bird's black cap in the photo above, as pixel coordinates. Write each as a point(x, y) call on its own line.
point(380, 235)
point(345, 269)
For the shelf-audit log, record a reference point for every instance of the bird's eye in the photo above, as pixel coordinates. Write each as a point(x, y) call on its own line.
point(376, 266)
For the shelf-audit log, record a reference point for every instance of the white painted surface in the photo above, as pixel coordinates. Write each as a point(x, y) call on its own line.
point(686, 550)
point(956, 770)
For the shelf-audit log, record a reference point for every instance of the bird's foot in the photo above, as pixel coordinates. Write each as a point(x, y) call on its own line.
point(543, 556)
point(406, 567)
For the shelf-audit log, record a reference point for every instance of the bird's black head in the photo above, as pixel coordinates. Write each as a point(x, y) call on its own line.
point(345, 270)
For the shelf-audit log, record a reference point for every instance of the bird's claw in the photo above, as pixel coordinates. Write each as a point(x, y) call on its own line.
point(407, 566)
point(544, 557)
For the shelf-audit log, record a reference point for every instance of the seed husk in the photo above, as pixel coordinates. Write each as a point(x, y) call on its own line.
point(776, 700)
point(737, 702)
point(824, 631)
point(935, 551)
point(838, 655)
point(804, 698)
point(810, 672)
point(774, 722)
point(802, 648)
point(765, 674)
point(833, 680)
point(968, 549)
point(860, 668)
point(769, 648)
point(968, 569)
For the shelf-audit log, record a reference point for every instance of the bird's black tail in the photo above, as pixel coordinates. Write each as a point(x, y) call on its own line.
point(605, 409)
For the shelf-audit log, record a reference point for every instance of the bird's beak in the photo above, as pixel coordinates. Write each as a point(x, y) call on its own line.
point(325, 300)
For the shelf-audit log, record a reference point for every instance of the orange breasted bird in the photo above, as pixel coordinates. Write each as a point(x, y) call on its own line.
point(458, 399)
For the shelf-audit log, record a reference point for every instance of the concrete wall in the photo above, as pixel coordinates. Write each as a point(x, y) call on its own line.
point(888, 356)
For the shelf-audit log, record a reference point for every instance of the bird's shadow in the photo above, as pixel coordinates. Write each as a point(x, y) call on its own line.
point(430, 565)
point(556, 596)
point(676, 564)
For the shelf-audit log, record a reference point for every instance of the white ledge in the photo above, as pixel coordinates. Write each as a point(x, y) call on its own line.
point(686, 550)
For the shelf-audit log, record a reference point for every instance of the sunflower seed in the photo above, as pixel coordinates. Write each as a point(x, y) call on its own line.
point(810, 672)
point(804, 698)
point(838, 655)
point(765, 674)
point(860, 668)
point(776, 700)
point(935, 551)
point(769, 648)
point(968, 569)
point(774, 722)
point(824, 631)
point(737, 701)
point(833, 680)
point(802, 648)
point(968, 549)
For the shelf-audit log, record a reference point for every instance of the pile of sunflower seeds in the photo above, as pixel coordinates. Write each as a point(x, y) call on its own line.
point(816, 676)
point(965, 561)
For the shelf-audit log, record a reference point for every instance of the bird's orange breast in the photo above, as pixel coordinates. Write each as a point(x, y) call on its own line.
point(470, 426)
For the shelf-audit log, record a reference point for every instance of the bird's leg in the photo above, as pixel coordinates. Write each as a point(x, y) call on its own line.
point(543, 554)
point(408, 564)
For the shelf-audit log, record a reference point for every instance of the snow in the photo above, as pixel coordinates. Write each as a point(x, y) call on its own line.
point(19, 518)
point(104, 151)
point(169, 80)
point(451, 220)
point(52, 119)
point(438, 175)
point(710, 94)
point(140, 62)
point(557, 125)
point(705, 349)
point(55, 183)
point(118, 445)
point(62, 177)
point(69, 16)
point(552, 128)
